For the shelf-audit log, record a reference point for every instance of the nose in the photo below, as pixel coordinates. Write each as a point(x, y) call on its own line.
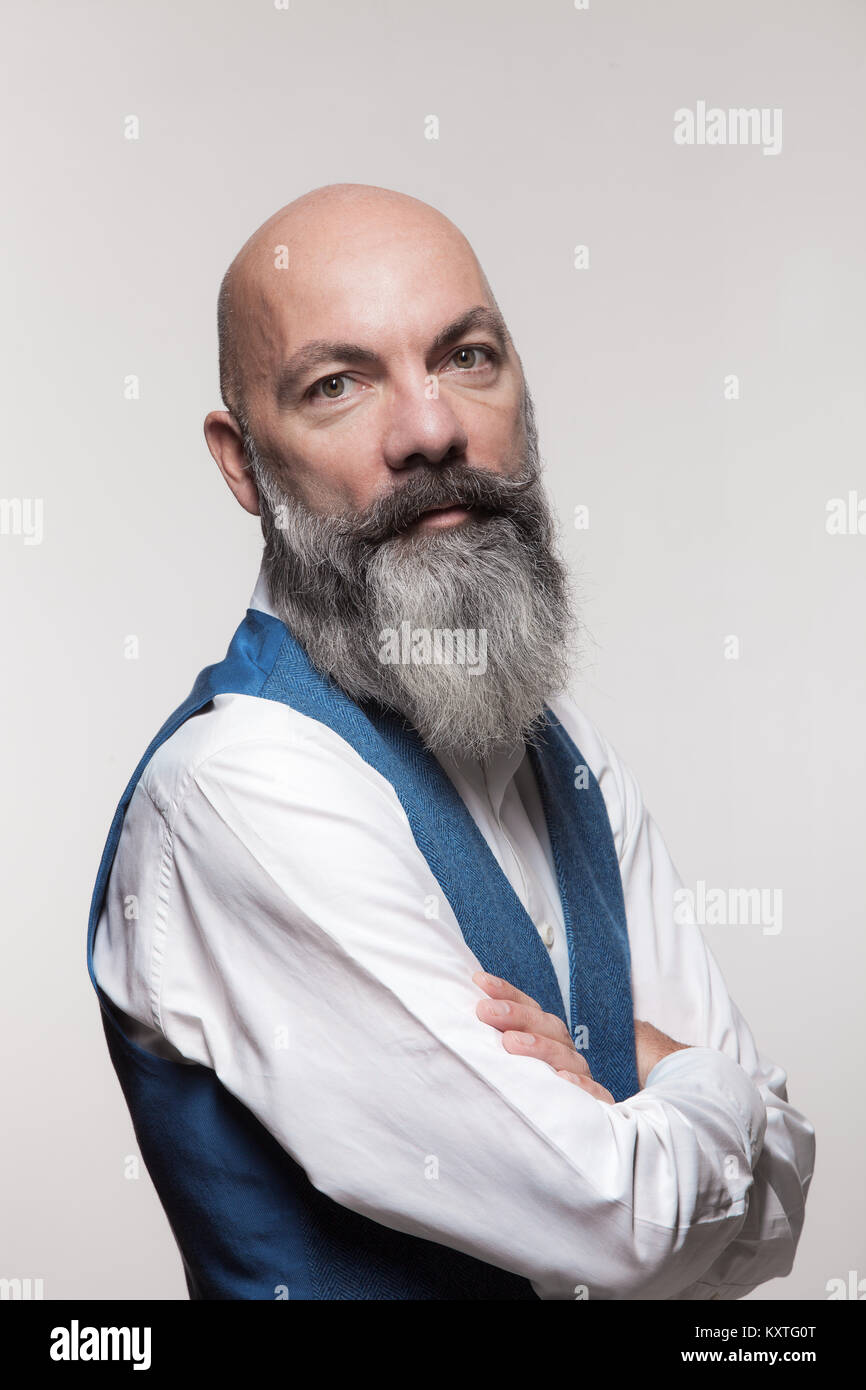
point(422, 427)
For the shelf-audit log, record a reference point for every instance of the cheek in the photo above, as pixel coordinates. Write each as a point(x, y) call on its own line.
point(331, 476)
point(496, 440)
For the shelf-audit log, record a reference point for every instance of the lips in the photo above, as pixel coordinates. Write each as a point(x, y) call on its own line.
point(447, 507)
point(448, 513)
point(444, 515)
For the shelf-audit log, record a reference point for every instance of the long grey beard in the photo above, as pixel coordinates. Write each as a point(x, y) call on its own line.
point(366, 601)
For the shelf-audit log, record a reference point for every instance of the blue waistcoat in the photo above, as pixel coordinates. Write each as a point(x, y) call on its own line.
point(247, 1220)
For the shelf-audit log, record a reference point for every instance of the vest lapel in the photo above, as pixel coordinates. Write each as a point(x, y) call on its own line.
point(590, 889)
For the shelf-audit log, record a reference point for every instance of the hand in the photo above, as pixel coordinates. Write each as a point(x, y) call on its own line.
point(651, 1045)
point(529, 1032)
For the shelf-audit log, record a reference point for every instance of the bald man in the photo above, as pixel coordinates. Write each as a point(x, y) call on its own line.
point(385, 941)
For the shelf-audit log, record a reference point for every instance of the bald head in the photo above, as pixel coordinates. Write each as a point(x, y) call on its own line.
point(315, 250)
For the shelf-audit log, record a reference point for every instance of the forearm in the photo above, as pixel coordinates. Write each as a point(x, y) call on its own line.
point(628, 1201)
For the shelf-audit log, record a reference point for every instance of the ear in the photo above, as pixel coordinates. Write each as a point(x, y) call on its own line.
point(226, 445)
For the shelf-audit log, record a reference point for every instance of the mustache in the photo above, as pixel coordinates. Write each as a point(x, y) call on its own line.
point(460, 485)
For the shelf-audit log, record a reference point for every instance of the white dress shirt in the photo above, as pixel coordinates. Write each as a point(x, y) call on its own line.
point(269, 915)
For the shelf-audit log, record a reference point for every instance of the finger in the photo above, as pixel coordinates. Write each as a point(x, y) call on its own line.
point(556, 1054)
point(501, 989)
point(586, 1083)
point(502, 1014)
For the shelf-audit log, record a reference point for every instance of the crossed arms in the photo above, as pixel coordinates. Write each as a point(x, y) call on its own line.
point(285, 939)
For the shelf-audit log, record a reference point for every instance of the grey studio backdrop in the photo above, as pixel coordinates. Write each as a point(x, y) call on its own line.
point(697, 370)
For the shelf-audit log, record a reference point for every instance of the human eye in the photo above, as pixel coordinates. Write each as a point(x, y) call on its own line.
point(333, 388)
point(472, 359)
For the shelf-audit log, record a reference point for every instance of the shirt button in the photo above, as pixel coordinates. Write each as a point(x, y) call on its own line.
point(547, 934)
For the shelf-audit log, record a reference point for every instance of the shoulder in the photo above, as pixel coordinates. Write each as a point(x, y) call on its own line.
point(617, 782)
point(247, 742)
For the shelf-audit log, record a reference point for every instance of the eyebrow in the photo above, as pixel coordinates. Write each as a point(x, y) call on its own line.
point(489, 320)
point(319, 351)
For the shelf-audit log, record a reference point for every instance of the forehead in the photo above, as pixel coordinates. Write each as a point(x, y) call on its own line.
point(392, 289)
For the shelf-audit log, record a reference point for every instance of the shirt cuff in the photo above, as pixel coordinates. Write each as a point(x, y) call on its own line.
point(705, 1068)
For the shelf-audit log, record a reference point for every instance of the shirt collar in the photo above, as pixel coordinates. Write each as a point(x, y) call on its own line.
point(493, 773)
point(261, 598)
